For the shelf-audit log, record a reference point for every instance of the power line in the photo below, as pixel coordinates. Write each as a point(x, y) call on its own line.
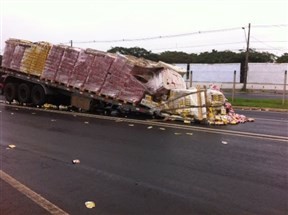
point(270, 26)
point(158, 37)
point(174, 35)
point(266, 44)
point(212, 44)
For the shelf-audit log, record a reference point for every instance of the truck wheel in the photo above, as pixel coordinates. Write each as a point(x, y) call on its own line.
point(38, 96)
point(24, 93)
point(10, 91)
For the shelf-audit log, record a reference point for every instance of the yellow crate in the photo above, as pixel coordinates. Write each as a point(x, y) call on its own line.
point(41, 53)
point(34, 58)
point(27, 57)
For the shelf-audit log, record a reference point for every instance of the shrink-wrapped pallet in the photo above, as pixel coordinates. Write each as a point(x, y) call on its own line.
point(98, 70)
point(133, 90)
point(117, 76)
point(40, 54)
point(181, 99)
point(8, 52)
point(81, 70)
point(53, 62)
point(28, 56)
point(18, 54)
point(67, 64)
point(162, 81)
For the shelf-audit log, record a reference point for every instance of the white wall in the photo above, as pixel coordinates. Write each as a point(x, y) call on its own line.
point(216, 73)
point(266, 73)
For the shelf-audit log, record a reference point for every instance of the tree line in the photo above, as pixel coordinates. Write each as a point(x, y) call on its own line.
point(204, 57)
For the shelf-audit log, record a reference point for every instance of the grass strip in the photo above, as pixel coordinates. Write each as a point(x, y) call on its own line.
point(261, 103)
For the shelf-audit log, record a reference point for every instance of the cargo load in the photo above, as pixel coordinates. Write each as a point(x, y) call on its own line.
point(40, 72)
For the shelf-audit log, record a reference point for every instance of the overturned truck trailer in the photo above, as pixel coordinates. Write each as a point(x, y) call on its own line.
point(40, 72)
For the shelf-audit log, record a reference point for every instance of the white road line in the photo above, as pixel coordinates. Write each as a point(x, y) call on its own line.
point(38, 199)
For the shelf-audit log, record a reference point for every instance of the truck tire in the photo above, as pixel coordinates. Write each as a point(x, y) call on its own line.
point(38, 96)
point(24, 93)
point(10, 91)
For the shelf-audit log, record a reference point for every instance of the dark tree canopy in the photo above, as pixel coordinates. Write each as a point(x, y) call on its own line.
point(283, 58)
point(205, 57)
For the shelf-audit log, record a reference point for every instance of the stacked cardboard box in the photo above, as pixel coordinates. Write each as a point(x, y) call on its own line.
point(18, 55)
point(52, 62)
point(40, 54)
point(98, 71)
point(27, 58)
point(133, 90)
point(8, 52)
point(80, 72)
point(67, 64)
point(116, 77)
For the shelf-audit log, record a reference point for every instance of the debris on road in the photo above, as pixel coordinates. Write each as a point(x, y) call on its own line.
point(76, 161)
point(131, 125)
point(220, 111)
point(53, 120)
point(90, 204)
point(11, 146)
point(163, 129)
point(86, 122)
point(176, 133)
point(189, 134)
point(149, 127)
point(224, 142)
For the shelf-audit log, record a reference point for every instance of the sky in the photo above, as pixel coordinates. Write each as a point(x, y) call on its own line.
point(191, 26)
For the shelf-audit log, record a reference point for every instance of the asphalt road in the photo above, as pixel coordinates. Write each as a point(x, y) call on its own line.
point(255, 95)
point(127, 167)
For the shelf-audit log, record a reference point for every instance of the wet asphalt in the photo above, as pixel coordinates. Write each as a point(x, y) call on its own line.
point(131, 168)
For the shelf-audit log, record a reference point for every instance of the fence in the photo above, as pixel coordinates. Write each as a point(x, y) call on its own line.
point(261, 76)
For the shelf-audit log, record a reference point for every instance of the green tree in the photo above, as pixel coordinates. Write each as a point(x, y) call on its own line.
point(175, 57)
point(134, 51)
point(261, 57)
point(283, 58)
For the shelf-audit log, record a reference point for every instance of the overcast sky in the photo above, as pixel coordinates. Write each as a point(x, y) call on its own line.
point(99, 24)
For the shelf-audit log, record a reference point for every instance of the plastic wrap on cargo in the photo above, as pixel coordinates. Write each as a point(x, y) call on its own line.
point(98, 71)
point(133, 91)
point(17, 57)
point(28, 58)
point(116, 78)
point(81, 70)
point(67, 64)
point(197, 99)
point(40, 55)
point(8, 52)
point(176, 69)
point(215, 98)
point(53, 62)
point(162, 81)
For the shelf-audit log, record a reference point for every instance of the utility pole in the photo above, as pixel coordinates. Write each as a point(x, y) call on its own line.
point(71, 43)
point(246, 60)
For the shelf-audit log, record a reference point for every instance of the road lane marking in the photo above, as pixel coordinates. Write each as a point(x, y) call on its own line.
point(38, 199)
point(167, 125)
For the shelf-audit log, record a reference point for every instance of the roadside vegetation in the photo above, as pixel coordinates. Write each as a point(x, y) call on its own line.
point(260, 103)
point(205, 57)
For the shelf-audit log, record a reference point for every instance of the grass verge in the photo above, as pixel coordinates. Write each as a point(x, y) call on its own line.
point(261, 103)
